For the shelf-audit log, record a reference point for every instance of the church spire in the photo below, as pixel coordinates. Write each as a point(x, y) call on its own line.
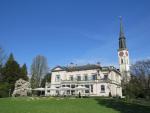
point(122, 39)
point(123, 55)
point(121, 28)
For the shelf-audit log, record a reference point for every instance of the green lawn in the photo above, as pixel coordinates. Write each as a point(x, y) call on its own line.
point(69, 105)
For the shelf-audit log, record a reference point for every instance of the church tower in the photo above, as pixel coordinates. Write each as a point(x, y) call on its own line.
point(123, 55)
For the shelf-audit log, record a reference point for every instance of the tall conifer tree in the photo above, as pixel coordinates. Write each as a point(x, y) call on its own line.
point(11, 71)
point(24, 72)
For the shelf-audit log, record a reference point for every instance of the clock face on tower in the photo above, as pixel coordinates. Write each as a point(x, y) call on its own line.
point(121, 54)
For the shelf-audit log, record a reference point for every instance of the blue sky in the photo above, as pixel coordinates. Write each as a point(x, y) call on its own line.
point(79, 31)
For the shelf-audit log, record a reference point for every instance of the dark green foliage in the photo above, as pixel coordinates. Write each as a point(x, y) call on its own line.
point(125, 107)
point(9, 74)
point(23, 72)
point(47, 78)
point(139, 85)
point(1, 76)
point(133, 89)
point(4, 89)
point(11, 71)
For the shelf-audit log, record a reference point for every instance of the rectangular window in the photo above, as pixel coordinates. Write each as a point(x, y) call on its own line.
point(67, 85)
point(63, 85)
point(86, 91)
point(57, 92)
point(86, 78)
point(102, 88)
point(91, 88)
point(71, 77)
point(78, 78)
point(87, 86)
point(57, 78)
point(68, 92)
point(94, 77)
point(73, 86)
point(72, 92)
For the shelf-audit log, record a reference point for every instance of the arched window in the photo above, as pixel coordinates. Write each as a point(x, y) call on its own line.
point(121, 61)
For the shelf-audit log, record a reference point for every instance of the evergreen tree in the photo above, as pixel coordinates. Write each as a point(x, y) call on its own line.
point(1, 76)
point(4, 89)
point(11, 72)
point(24, 72)
point(47, 78)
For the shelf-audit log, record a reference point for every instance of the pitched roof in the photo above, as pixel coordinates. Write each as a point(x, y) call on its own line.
point(77, 68)
point(85, 67)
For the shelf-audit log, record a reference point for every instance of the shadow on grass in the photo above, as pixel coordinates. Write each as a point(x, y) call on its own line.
point(123, 107)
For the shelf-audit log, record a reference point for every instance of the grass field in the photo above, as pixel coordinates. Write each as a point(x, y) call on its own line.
point(69, 105)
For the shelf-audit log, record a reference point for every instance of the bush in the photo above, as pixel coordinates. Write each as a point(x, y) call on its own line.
point(4, 89)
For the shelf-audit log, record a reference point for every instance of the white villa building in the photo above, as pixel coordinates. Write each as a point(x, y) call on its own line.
point(91, 79)
point(88, 80)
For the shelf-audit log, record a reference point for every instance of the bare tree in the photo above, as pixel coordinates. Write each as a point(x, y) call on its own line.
point(2, 56)
point(2, 60)
point(141, 70)
point(39, 69)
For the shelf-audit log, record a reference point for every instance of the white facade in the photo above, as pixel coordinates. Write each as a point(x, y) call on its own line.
point(123, 60)
point(88, 80)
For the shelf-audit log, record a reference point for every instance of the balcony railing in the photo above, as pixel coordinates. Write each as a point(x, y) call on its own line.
point(83, 81)
point(90, 81)
point(87, 81)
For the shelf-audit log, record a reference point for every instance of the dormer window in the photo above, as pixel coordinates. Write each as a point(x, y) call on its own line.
point(105, 77)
